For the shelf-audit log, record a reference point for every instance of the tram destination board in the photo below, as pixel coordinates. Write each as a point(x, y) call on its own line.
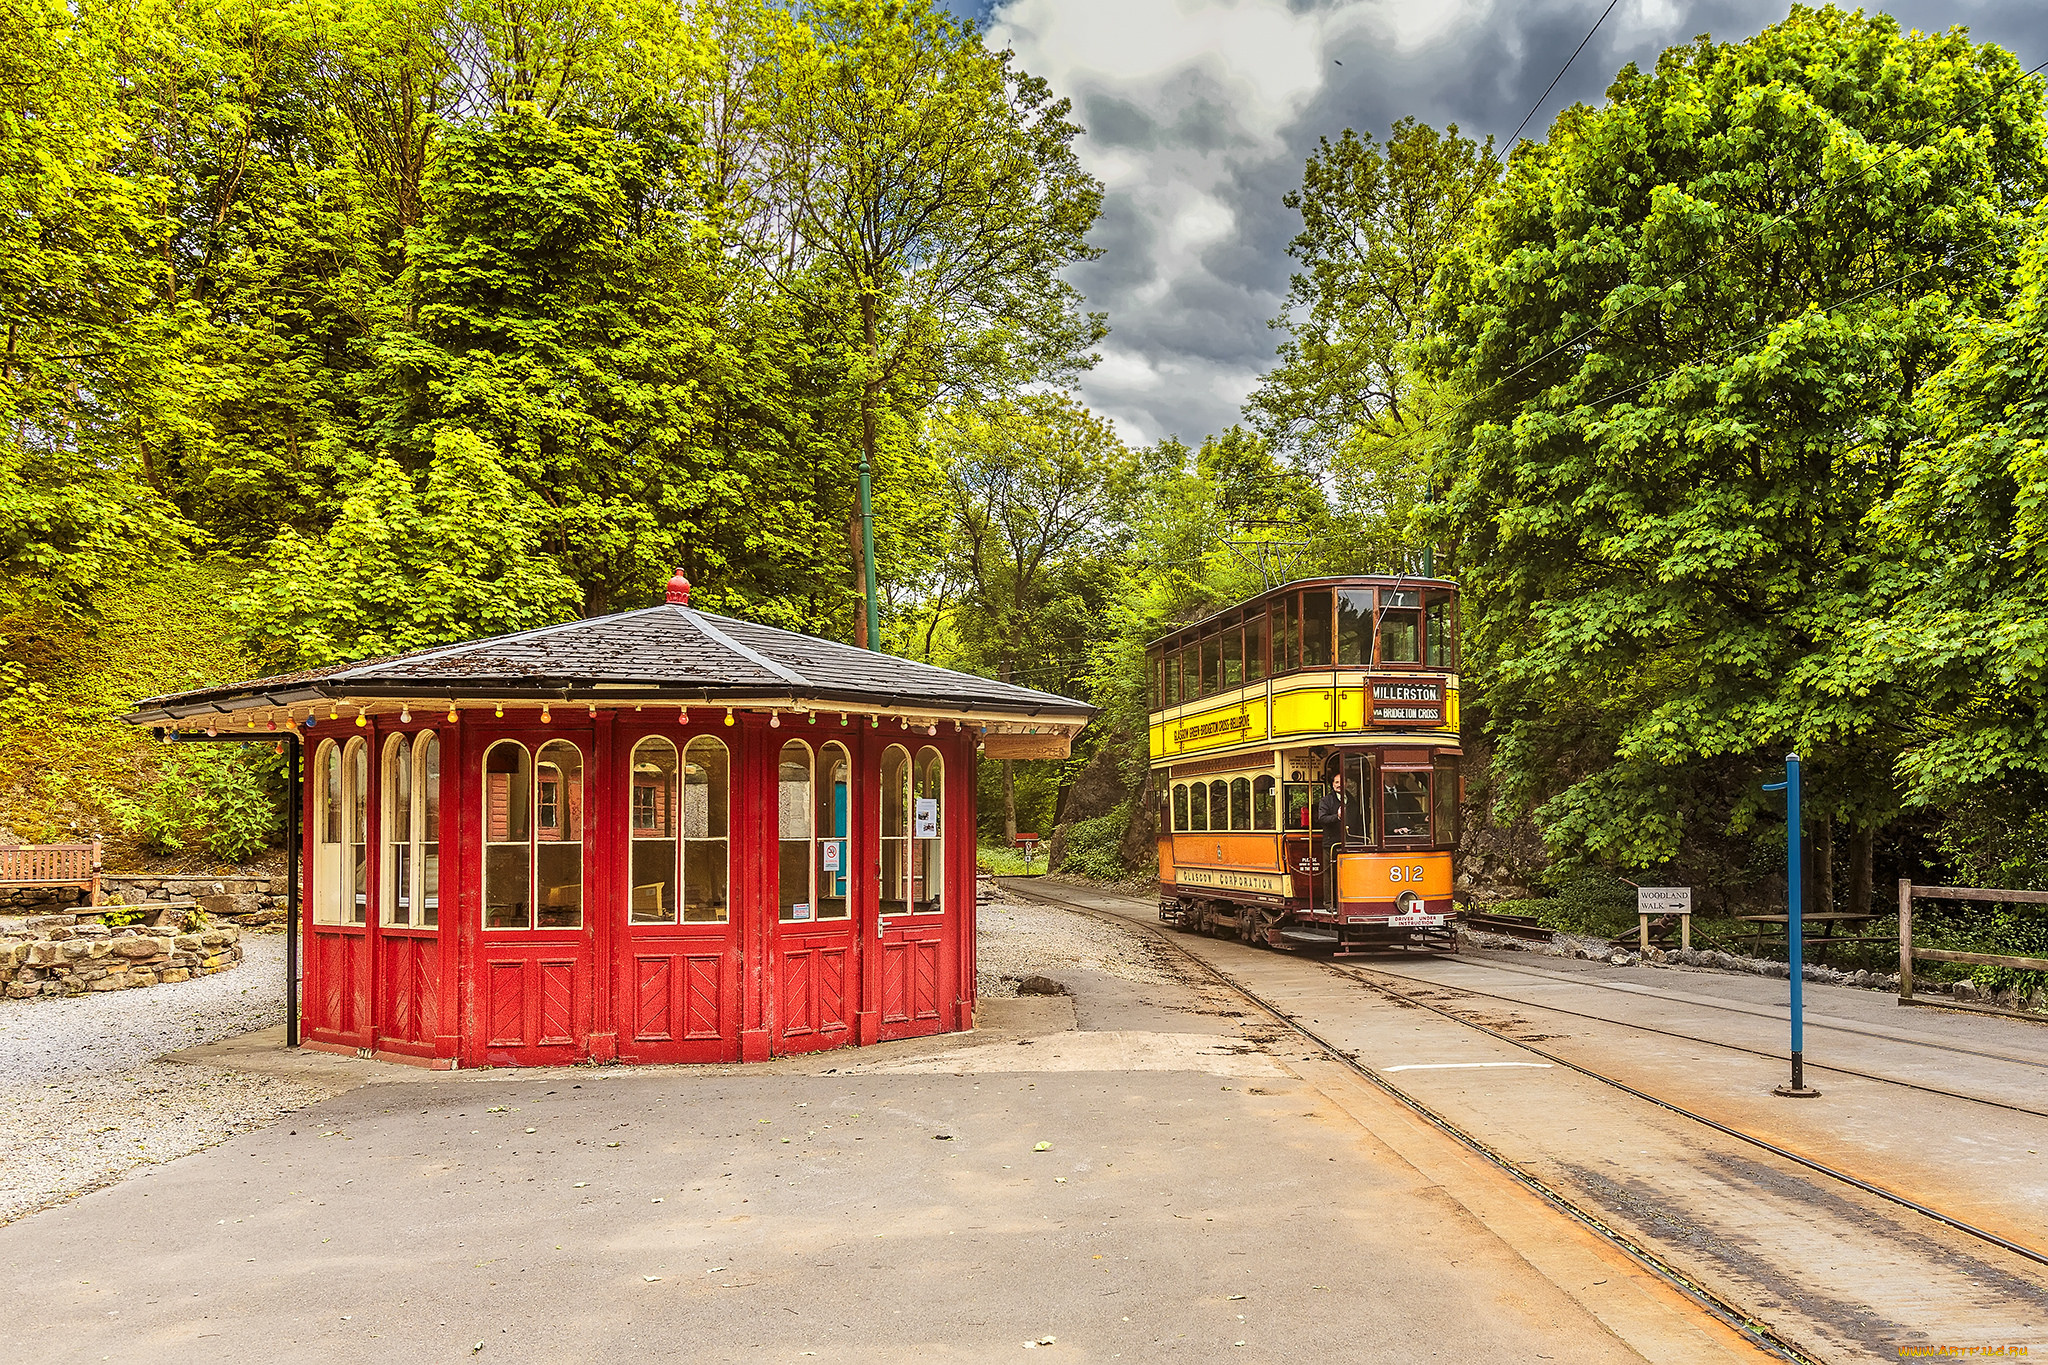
point(1408, 702)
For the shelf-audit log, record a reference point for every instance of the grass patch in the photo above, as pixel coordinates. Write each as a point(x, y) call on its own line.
point(999, 861)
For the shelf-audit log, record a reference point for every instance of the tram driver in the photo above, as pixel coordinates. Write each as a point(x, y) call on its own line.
point(1330, 816)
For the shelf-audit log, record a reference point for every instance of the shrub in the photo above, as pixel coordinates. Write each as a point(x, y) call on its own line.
point(1093, 847)
point(224, 798)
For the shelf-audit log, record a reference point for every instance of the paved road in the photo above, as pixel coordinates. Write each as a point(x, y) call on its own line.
point(1155, 1185)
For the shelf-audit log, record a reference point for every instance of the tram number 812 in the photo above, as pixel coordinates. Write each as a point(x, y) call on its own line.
point(1398, 874)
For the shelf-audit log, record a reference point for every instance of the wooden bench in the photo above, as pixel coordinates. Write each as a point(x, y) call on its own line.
point(26, 866)
point(1782, 925)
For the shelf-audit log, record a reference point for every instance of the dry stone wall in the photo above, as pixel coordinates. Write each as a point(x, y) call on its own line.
point(74, 955)
point(247, 902)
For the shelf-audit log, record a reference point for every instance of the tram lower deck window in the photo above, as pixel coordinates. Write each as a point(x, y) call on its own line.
point(1404, 806)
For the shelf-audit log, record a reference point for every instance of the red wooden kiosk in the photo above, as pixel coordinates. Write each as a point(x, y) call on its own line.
point(656, 836)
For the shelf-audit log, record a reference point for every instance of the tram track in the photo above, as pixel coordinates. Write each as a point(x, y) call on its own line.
point(1349, 969)
point(1717, 1303)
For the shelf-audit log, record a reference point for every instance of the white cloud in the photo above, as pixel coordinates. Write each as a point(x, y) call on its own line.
point(1200, 114)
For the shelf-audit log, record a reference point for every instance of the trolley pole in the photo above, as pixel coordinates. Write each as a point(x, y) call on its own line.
point(1793, 887)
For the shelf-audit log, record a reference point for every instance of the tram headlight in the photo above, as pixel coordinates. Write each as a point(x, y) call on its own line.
point(1409, 903)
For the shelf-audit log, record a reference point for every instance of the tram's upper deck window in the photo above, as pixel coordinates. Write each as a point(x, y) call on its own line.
point(1350, 627)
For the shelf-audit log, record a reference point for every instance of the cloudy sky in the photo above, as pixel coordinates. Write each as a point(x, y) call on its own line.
point(1200, 114)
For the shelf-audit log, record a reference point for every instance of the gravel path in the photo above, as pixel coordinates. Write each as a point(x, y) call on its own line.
point(1020, 938)
point(83, 1102)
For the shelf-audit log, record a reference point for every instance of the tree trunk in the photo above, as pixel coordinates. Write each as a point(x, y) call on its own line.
point(1010, 801)
point(1861, 849)
point(1824, 866)
point(1009, 778)
point(860, 581)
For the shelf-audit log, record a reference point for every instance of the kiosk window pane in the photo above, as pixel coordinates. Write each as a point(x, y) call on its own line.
point(707, 788)
point(429, 750)
point(928, 834)
point(652, 832)
point(895, 800)
point(558, 866)
point(356, 778)
point(327, 835)
point(398, 813)
point(1354, 627)
point(1240, 803)
point(1264, 813)
point(793, 806)
point(1315, 629)
point(1255, 645)
point(835, 794)
point(1406, 806)
point(508, 851)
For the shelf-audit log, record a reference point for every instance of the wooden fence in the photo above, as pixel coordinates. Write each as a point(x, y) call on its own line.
point(1907, 952)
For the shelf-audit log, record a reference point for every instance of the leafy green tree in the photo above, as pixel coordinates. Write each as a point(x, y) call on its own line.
point(1963, 576)
point(1692, 328)
point(1376, 221)
point(414, 562)
point(1037, 485)
point(935, 190)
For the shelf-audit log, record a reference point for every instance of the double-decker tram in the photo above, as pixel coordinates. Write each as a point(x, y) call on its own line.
point(1327, 687)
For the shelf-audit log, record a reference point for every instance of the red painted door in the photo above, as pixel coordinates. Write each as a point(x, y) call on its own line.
point(678, 961)
point(917, 976)
point(536, 958)
point(814, 977)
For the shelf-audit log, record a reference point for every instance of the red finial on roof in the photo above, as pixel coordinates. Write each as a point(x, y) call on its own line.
point(679, 589)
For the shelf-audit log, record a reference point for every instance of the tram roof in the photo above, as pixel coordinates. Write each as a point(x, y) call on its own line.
point(670, 652)
point(1339, 581)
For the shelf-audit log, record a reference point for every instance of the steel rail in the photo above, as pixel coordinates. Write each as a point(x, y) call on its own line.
point(1733, 1007)
point(1754, 1330)
point(1822, 1168)
point(1694, 1038)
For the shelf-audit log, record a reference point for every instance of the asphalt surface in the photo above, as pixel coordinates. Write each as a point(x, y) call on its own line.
point(1158, 1183)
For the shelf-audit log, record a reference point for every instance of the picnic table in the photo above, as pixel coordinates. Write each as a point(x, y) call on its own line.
point(1824, 919)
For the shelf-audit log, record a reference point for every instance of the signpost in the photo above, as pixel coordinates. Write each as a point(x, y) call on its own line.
point(1790, 786)
point(1663, 900)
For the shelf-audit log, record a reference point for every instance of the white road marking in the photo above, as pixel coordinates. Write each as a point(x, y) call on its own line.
point(1459, 1066)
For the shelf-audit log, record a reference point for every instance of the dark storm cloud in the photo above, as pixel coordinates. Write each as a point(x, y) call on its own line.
point(1198, 148)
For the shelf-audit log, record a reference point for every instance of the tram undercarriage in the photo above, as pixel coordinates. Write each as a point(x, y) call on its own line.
point(1291, 930)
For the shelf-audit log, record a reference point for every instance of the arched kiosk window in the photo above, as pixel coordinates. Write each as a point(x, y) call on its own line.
point(412, 831)
point(653, 827)
point(793, 812)
point(679, 831)
point(835, 805)
point(355, 762)
point(329, 813)
point(533, 836)
point(928, 833)
point(895, 797)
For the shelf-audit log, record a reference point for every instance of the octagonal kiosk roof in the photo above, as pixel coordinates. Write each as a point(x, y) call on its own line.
point(671, 654)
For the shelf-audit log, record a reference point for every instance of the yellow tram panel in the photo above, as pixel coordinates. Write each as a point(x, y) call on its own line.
point(1215, 728)
point(1384, 876)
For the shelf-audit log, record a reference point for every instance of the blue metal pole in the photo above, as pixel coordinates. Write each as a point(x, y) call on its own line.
point(1794, 887)
point(1795, 881)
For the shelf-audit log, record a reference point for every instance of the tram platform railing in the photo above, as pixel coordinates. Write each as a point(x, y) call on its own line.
point(1910, 953)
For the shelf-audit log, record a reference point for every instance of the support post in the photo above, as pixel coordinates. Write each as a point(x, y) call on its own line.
point(1794, 870)
point(1905, 938)
point(291, 891)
